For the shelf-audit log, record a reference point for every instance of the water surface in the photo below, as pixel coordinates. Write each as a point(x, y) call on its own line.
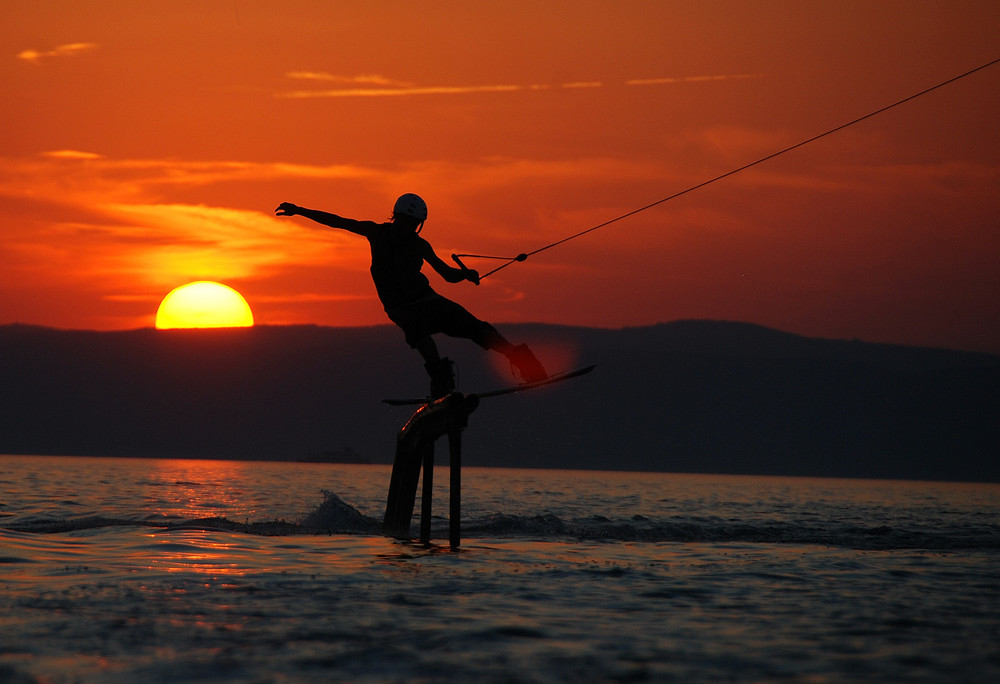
point(146, 570)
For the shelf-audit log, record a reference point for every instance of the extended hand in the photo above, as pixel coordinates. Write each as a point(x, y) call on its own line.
point(287, 209)
point(472, 275)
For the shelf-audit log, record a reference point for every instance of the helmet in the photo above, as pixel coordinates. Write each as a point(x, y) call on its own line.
point(411, 205)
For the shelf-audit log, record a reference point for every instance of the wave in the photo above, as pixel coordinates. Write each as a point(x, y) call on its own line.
point(334, 516)
point(641, 529)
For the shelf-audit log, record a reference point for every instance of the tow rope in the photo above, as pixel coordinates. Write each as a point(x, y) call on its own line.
point(524, 255)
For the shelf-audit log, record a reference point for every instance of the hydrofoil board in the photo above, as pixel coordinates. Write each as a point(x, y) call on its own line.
point(557, 377)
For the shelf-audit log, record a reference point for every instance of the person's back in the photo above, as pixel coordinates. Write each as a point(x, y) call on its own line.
point(397, 256)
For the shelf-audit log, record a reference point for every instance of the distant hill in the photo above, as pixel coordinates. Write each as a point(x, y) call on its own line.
point(687, 396)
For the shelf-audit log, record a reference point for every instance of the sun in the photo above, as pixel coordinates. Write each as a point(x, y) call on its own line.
point(203, 304)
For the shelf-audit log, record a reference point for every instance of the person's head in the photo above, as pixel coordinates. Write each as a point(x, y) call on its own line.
point(410, 210)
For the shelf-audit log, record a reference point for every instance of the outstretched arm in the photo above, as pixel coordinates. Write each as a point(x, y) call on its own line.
point(325, 218)
point(452, 275)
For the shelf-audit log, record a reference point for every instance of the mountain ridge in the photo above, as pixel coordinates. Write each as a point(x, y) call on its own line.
point(683, 396)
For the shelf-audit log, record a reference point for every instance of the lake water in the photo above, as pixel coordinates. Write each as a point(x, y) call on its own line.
point(132, 570)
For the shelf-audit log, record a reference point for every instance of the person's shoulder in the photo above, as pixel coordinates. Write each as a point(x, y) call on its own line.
point(423, 244)
point(372, 229)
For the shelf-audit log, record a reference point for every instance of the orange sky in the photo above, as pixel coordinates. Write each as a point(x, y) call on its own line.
point(146, 145)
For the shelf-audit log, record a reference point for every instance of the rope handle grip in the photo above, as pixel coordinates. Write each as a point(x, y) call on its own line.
point(463, 266)
point(509, 260)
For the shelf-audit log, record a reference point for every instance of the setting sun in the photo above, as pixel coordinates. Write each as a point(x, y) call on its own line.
point(203, 304)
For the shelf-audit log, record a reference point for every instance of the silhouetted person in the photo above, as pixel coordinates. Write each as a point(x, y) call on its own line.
point(398, 253)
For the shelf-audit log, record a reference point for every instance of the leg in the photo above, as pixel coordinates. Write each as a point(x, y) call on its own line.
point(455, 321)
point(525, 363)
point(418, 335)
point(440, 370)
point(445, 316)
point(427, 349)
point(520, 356)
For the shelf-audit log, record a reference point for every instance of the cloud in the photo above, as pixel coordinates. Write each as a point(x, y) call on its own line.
point(67, 50)
point(365, 79)
point(221, 243)
point(309, 297)
point(399, 92)
point(691, 79)
point(582, 84)
point(87, 178)
point(106, 221)
point(70, 154)
point(385, 87)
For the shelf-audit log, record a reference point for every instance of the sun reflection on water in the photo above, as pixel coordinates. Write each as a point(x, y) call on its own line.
point(201, 553)
point(191, 489)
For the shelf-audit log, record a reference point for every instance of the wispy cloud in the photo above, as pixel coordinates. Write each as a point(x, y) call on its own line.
point(582, 84)
point(96, 218)
point(364, 79)
point(70, 154)
point(70, 175)
point(67, 50)
point(380, 86)
point(218, 242)
point(691, 79)
point(399, 92)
